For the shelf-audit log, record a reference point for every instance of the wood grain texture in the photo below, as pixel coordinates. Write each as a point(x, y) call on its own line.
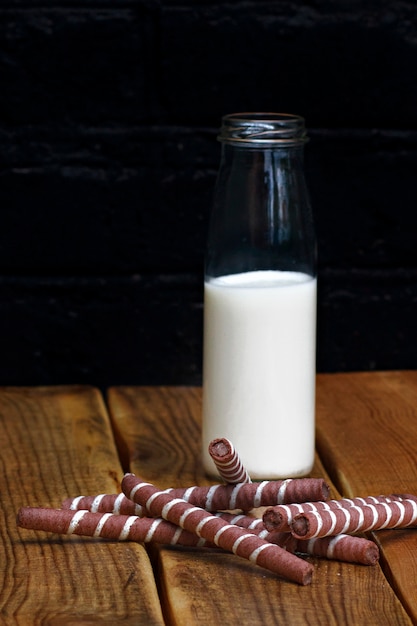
point(55, 442)
point(159, 430)
point(367, 437)
point(158, 433)
point(367, 431)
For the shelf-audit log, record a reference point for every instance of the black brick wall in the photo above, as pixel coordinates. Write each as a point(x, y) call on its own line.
point(108, 118)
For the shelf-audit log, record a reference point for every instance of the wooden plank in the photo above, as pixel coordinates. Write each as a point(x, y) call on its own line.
point(158, 429)
point(367, 437)
point(57, 442)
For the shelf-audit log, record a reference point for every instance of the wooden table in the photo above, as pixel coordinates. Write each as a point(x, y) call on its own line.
point(58, 442)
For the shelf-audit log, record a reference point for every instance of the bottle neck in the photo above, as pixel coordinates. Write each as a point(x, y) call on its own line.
point(263, 130)
point(263, 158)
point(261, 216)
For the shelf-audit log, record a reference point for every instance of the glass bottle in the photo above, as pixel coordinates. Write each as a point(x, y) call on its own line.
point(259, 355)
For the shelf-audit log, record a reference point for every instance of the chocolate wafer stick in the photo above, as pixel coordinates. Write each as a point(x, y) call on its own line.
point(279, 517)
point(227, 536)
point(228, 462)
point(354, 519)
point(340, 547)
point(107, 525)
point(219, 497)
point(247, 496)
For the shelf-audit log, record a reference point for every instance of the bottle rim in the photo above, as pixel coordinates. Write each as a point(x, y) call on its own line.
point(263, 129)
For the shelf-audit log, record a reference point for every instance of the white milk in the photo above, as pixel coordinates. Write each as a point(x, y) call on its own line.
point(259, 370)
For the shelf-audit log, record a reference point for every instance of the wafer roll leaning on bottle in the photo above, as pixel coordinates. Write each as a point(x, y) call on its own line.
point(355, 519)
point(227, 536)
point(228, 462)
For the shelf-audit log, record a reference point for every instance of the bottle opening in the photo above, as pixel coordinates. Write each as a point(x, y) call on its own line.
point(262, 129)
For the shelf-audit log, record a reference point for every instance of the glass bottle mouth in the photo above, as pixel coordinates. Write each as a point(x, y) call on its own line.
point(263, 129)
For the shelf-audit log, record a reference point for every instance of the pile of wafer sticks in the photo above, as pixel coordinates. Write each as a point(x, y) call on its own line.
point(299, 519)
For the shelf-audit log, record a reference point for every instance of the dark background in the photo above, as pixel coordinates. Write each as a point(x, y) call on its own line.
point(108, 118)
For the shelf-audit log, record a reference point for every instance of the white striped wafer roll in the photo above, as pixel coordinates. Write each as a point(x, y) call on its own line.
point(355, 519)
point(228, 462)
point(245, 496)
point(340, 548)
point(107, 525)
point(279, 517)
point(227, 536)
